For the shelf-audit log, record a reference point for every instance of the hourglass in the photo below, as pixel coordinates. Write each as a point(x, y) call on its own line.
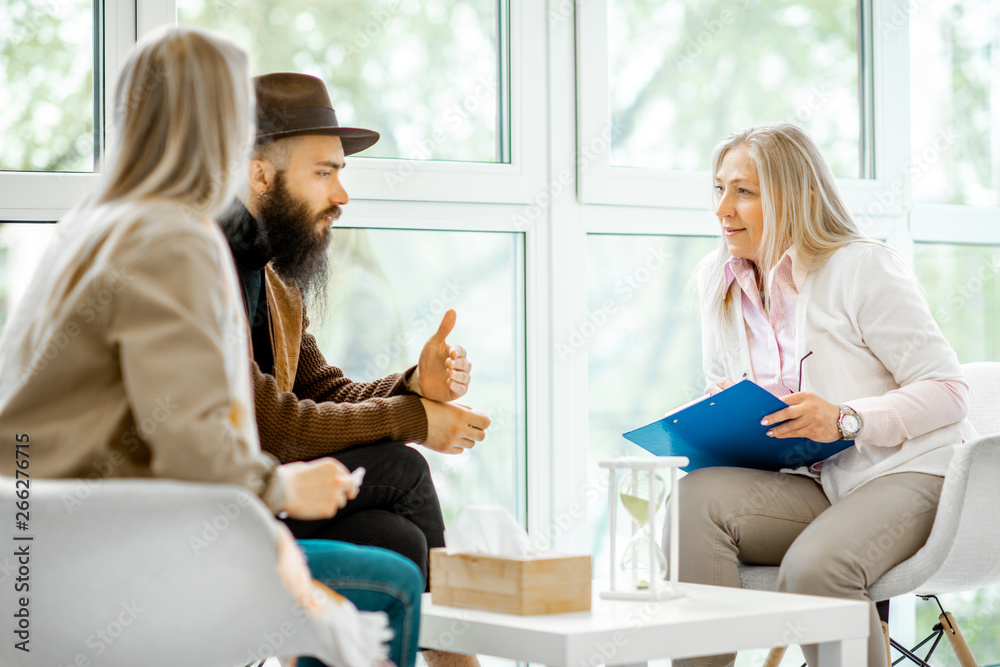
point(642, 567)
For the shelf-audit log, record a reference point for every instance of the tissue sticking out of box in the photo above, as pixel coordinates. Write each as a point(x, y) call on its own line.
point(488, 530)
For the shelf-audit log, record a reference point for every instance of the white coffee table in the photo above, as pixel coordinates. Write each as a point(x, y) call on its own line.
point(709, 620)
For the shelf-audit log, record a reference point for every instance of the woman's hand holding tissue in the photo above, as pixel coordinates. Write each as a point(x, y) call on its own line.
point(316, 489)
point(452, 428)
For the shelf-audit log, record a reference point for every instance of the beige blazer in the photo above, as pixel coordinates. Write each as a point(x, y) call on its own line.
point(127, 357)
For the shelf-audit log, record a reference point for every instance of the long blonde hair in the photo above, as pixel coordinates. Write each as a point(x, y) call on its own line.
point(802, 205)
point(183, 120)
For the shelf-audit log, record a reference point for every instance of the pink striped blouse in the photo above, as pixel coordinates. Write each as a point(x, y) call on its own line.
point(887, 420)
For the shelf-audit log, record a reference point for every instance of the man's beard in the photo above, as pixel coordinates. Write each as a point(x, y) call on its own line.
point(296, 240)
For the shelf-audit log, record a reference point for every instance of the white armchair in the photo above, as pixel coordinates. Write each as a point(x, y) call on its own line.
point(147, 572)
point(962, 551)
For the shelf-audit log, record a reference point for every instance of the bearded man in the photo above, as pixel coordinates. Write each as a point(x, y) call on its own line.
point(305, 408)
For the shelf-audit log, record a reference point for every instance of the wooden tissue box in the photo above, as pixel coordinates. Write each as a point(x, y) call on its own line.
point(543, 584)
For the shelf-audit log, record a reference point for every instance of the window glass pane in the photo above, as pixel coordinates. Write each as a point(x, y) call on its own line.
point(47, 76)
point(644, 358)
point(963, 289)
point(388, 292)
point(955, 102)
point(683, 74)
point(421, 72)
point(643, 343)
point(21, 248)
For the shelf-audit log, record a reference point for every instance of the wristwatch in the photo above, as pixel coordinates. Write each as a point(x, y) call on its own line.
point(849, 423)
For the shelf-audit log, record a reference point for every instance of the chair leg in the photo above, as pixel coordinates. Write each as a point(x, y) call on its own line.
point(958, 643)
point(775, 656)
point(888, 649)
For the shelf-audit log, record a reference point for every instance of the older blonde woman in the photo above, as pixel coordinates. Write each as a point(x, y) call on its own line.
point(800, 301)
point(127, 357)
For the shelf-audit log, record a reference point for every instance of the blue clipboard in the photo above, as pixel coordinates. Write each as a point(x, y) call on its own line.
point(725, 430)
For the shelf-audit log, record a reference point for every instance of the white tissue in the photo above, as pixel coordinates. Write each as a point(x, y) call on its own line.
point(489, 530)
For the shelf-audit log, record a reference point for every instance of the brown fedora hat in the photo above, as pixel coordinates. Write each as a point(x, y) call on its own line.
point(289, 104)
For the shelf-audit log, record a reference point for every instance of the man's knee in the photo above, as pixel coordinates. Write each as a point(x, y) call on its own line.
point(408, 540)
point(409, 458)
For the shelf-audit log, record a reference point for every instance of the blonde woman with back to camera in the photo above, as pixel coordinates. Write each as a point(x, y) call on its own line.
point(133, 318)
point(796, 285)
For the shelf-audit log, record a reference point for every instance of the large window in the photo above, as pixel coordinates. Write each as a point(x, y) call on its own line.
point(686, 73)
point(388, 292)
point(424, 73)
point(955, 102)
point(963, 290)
point(542, 170)
point(47, 76)
point(21, 248)
point(644, 349)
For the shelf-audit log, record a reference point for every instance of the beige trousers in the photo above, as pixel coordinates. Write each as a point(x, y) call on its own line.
point(768, 518)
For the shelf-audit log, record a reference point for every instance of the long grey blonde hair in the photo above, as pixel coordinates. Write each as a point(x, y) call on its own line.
point(183, 119)
point(802, 206)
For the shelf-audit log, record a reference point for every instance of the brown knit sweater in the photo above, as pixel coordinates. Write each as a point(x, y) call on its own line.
point(306, 408)
point(326, 412)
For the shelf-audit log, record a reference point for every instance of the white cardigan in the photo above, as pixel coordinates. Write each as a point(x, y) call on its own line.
point(870, 331)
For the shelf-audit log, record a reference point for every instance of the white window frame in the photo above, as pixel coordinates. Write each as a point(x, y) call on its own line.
point(549, 193)
point(404, 179)
point(602, 183)
point(449, 181)
point(46, 196)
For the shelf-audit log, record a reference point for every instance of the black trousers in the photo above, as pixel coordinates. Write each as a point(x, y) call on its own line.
point(397, 507)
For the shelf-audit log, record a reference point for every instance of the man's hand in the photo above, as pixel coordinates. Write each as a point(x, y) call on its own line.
point(807, 416)
point(453, 428)
point(316, 489)
point(443, 370)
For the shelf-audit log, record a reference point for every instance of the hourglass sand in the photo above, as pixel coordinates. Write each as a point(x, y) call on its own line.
point(643, 565)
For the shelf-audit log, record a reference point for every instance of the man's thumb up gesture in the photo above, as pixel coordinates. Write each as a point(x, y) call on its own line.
point(443, 371)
